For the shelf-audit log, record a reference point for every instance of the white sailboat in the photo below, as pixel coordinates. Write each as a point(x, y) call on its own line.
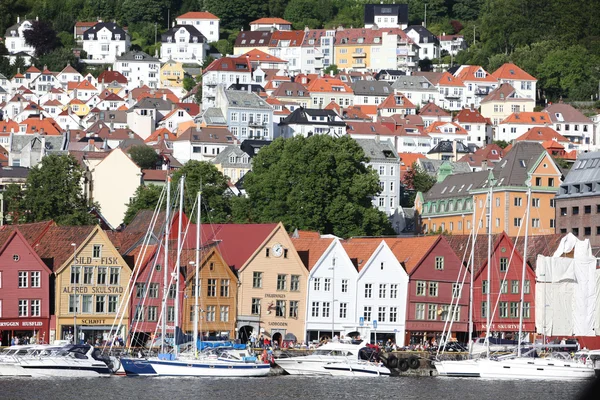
point(233, 361)
point(528, 366)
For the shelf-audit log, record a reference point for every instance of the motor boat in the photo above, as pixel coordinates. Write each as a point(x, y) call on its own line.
point(224, 361)
point(458, 368)
point(344, 357)
point(65, 361)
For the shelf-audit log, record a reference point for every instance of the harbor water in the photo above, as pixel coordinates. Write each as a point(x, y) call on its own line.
point(288, 387)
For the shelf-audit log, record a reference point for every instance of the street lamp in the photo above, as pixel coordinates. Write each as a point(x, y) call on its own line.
point(332, 268)
point(75, 301)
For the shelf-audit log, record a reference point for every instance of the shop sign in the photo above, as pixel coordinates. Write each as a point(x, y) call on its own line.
point(21, 324)
point(93, 261)
point(93, 289)
point(275, 295)
point(508, 327)
point(93, 321)
point(277, 323)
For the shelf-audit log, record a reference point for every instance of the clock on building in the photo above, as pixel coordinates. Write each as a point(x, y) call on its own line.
point(277, 250)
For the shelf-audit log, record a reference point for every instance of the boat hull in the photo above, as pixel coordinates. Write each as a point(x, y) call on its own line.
point(358, 370)
point(303, 367)
point(193, 368)
point(534, 368)
point(460, 368)
point(40, 370)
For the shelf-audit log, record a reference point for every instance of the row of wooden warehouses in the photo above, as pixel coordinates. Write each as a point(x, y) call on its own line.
point(255, 278)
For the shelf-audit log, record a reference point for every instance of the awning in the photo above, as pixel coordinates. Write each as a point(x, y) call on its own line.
point(290, 336)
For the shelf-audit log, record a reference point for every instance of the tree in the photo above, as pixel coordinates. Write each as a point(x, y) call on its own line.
point(466, 10)
point(145, 198)
point(53, 191)
point(144, 156)
point(215, 190)
point(416, 180)
point(331, 70)
point(188, 83)
point(41, 37)
point(207, 61)
point(318, 183)
point(136, 11)
point(57, 59)
point(311, 13)
point(501, 143)
point(236, 14)
point(13, 199)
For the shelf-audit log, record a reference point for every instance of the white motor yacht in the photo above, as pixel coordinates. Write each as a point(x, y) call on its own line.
point(66, 361)
point(333, 358)
point(459, 368)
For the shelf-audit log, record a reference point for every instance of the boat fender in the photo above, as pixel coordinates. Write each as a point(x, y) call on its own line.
point(115, 364)
point(392, 361)
point(403, 365)
point(413, 362)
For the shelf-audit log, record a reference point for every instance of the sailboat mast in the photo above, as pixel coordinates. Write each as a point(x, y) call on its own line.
point(197, 277)
point(178, 261)
point(521, 302)
point(474, 236)
point(489, 267)
point(163, 328)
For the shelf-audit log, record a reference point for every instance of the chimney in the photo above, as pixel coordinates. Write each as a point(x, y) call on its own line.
point(41, 116)
point(91, 142)
point(18, 19)
point(455, 150)
point(164, 96)
point(249, 88)
point(484, 165)
point(198, 127)
point(77, 137)
point(130, 134)
point(42, 131)
point(377, 138)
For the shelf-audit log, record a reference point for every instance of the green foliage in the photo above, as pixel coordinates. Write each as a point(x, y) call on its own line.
point(223, 46)
point(331, 69)
point(436, 9)
point(311, 13)
point(466, 10)
point(66, 39)
point(188, 83)
point(317, 183)
point(53, 191)
point(417, 180)
point(145, 198)
point(13, 200)
point(215, 191)
point(501, 143)
point(236, 14)
point(144, 156)
point(41, 37)
point(207, 61)
point(139, 11)
point(562, 163)
point(58, 59)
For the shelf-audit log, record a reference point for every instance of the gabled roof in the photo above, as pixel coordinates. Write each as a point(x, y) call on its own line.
point(407, 160)
point(528, 118)
point(433, 110)
point(468, 73)
point(504, 92)
point(566, 113)
point(438, 126)
point(85, 85)
point(295, 38)
point(371, 88)
point(441, 78)
point(198, 15)
point(310, 249)
point(56, 243)
point(257, 56)
point(206, 135)
point(193, 34)
point(367, 128)
point(33, 70)
point(112, 76)
point(468, 116)
point(396, 100)
point(356, 113)
point(541, 134)
point(327, 84)
point(514, 168)
point(510, 71)
point(253, 39)
point(410, 251)
point(112, 27)
point(268, 21)
point(290, 89)
point(231, 64)
point(360, 250)
point(301, 115)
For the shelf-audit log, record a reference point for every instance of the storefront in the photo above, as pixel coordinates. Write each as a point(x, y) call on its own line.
point(90, 288)
point(28, 331)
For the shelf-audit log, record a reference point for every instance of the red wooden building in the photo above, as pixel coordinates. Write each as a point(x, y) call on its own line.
point(434, 269)
point(25, 289)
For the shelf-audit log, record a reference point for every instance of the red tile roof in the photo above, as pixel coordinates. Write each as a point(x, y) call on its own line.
point(353, 36)
point(367, 128)
point(198, 15)
point(441, 78)
point(469, 116)
point(156, 175)
point(265, 21)
point(327, 84)
point(112, 76)
point(510, 71)
point(295, 38)
point(436, 126)
point(192, 108)
point(528, 118)
point(542, 134)
point(310, 249)
point(229, 64)
point(256, 55)
point(84, 23)
point(411, 250)
point(396, 100)
point(35, 125)
point(56, 243)
point(164, 134)
point(361, 249)
point(33, 70)
point(408, 159)
point(468, 73)
point(432, 109)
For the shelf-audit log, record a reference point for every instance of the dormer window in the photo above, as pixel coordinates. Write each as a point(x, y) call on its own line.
point(139, 57)
point(118, 37)
point(91, 36)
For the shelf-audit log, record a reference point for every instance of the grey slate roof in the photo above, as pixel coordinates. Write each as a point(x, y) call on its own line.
point(254, 87)
point(457, 185)
point(300, 116)
point(391, 72)
point(53, 143)
point(423, 33)
point(153, 103)
point(193, 32)
point(223, 158)
point(566, 114)
point(371, 88)
point(432, 166)
point(445, 146)
point(513, 169)
point(291, 89)
point(379, 150)
point(214, 116)
point(14, 172)
point(246, 99)
point(583, 178)
point(412, 82)
point(134, 56)
point(111, 26)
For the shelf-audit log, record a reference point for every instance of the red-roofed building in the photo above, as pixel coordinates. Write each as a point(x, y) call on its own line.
point(287, 45)
point(543, 134)
point(81, 27)
point(517, 123)
point(431, 112)
point(407, 160)
point(258, 58)
point(263, 24)
point(484, 158)
point(396, 103)
point(479, 129)
point(205, 22)
point(224, 70)
point(523, 83)
point(109, 76)
point(43, 126)
point(325, 90)
point(440, 131)
point(478, 83)
point(452, 90)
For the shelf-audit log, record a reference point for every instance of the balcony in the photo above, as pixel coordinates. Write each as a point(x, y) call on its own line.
point(452, 96)
point(257, 124)
point(210, 83)
point(361, 64)
point(359, 55)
